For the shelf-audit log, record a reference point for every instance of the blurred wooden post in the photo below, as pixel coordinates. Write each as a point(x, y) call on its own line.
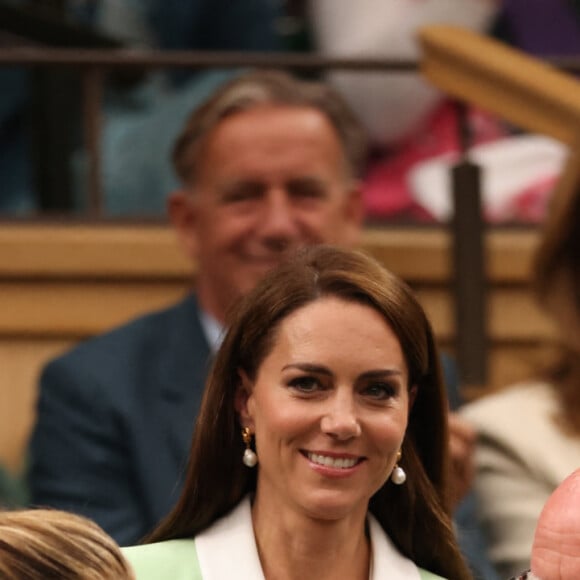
point(469, 268)
point(53, 112)
point(93, 79)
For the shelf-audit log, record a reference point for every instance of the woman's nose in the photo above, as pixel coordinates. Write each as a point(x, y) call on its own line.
point(341, 420)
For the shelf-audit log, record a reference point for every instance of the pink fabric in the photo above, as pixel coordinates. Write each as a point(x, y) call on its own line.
point(530, 205)
point(386, 192)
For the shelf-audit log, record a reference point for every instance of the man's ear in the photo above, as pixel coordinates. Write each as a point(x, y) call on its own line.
point(244, 401)
point(182, 212)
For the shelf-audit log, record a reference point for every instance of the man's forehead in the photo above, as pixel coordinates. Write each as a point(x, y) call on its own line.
point(281, 139)
point(274, 118)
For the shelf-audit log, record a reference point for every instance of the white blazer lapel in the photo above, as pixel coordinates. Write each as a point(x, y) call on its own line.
point(387, 561)
point(228, 548)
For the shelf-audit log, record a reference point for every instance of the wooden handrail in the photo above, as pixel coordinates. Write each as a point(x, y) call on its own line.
point(150, 59)
point(133, 251)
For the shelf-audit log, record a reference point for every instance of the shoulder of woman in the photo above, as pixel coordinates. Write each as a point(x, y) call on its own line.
point(426, 575)
point(175, 559)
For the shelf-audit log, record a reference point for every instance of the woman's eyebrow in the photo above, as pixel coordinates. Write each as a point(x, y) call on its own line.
point(378, 373)
point(322, 370)
point(309, 367)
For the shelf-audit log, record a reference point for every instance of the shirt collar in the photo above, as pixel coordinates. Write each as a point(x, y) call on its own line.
point(213, 330)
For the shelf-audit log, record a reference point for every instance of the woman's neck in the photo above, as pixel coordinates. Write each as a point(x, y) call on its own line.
point(293, 546)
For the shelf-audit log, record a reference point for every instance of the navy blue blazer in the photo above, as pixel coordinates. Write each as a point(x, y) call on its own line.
point(115, 420)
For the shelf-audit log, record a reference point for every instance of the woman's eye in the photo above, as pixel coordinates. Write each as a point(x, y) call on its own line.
point(305, 384)
point(380, 391)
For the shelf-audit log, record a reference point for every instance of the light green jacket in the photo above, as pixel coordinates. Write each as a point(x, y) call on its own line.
point(227, 550)
point(177, 560)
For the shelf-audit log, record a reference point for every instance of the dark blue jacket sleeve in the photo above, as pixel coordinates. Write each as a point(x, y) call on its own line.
point(77, 457)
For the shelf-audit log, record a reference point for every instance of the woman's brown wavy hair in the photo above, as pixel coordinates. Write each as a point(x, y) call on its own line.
point(557, 284)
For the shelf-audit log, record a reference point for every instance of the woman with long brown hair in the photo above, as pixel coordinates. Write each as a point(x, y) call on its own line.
point(321, 447)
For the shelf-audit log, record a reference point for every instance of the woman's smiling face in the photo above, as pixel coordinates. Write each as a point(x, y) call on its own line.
point(329, 408)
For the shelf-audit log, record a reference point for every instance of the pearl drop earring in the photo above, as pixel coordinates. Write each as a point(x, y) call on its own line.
point(250, 458)
point(398, 475)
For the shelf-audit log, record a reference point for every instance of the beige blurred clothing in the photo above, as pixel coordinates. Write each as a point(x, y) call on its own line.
point(521, 457)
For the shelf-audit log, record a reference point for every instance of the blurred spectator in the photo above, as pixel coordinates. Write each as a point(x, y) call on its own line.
point(42, 544)
point(415, 128)
point(556, 548)
point(408, 120)
point(529, 434)
point(141, 122)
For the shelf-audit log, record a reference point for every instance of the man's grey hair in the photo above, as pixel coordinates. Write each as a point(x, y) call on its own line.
point(261, 88)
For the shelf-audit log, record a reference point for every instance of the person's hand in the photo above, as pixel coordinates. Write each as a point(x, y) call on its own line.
point(556, 548)
point(462, 438)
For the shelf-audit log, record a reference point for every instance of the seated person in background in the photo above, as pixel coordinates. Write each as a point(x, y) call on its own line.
point(529, 435)
point(321, 446)
point(409, 121)
point(141, 118)
point(40, 544)
point(413, 126)
point(556, 549)
point(267, 165)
